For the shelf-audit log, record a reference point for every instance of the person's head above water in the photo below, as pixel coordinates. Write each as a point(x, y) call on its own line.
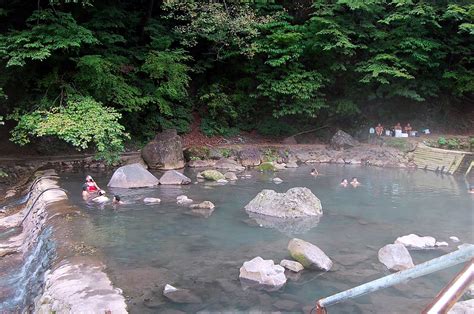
point(344, 181)
point(117, 198)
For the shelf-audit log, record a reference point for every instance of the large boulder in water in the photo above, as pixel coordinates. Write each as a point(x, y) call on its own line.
point(343, 140)
point(296, 202)
point(395, 257)
point(132, 176)
point(262, 274)
point(309, 255)
point(173, 177)
point(165, 151)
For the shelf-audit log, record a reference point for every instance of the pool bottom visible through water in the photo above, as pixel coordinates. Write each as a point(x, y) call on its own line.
point(148, 246)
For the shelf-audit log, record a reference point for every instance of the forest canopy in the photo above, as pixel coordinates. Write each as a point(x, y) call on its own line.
point(94, 73)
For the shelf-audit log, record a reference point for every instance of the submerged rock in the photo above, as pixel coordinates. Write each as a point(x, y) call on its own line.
point(223, 181)
point(165, 151)
point(262, 274)
point(395, 257)
point(413, 241)
point(454, 239)
point(132, 176)
point(203, 205)
point(180, 295)
point(292, 265)
point(151, 200)
point(173, 177)
point(212, 175)
point(296, 202)
point(288, 226)
point(309, 255)
point(277, 180)
point(183, 200)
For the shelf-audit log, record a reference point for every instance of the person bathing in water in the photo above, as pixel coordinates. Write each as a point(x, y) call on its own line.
point(117, 201)
point(344, 183)
point(91, 191)
point(314, 172)
point(354, 182)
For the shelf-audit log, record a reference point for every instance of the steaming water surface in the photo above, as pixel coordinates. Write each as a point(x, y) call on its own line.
point(147, 246)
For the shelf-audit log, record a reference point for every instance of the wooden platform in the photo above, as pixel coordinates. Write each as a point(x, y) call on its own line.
point(442, 160)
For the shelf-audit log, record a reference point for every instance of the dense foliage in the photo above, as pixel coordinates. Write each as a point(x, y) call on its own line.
point(90, 72)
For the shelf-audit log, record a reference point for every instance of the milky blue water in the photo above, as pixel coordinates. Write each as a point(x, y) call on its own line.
point(148, 246)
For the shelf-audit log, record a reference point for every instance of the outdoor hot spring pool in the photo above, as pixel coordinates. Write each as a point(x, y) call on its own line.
point(148, 246)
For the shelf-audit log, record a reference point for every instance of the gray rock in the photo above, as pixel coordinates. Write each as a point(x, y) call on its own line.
point(296, 202)
point(309, 255)
point(203, 205)
point(231, 176)
point(291, 164)
point(285, 225)
point(174, 177)
point(183, 200)
point(228, 165)
point(262, 274)
point(413, 241)
point(151, 200)
point(463, 307)
point(342, 140)
point(250, 157)
point(224, 181)
point(180, 295)
point(292, 265)
point(212, 175)
point(132, 176)
point(395, 257)
point(165, 151)
point(201, 163)
point(277, 180)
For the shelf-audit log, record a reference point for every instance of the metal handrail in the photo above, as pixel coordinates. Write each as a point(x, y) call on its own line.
point(431, 266)
point(450, 294)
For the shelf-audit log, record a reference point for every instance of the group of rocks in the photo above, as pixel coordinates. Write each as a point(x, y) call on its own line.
point(397, 257)
point(264, 274)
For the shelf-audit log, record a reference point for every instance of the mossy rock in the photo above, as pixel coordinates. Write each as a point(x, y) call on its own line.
point(196, 152)
point(301, 259)
point(266, 166)
point(212, 175)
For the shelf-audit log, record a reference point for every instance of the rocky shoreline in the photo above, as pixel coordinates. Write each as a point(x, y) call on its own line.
point(74, 281)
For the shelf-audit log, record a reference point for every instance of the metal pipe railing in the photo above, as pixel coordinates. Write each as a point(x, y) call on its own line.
point(431, 266)
point(450, 294)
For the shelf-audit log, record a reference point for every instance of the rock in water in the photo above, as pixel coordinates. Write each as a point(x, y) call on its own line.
point(228, 164)
point(296, 202)
point(180, 295)
point(151, 200)
point(277, 180)
point(212, 175)
point(291, 164)
point(204, 209)
point(343, 140)
point(262, 274)
point(250, 157)
point(463, 307)
point(183, 200)
point(165, 151)
point(132, 176)
point(395, 257)
point(309, 255)
point(413, 241)
point(174, 177)
point(230, 176)
point(292, 265)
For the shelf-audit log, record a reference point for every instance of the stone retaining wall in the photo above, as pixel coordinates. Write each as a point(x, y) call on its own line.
point(75, 282)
